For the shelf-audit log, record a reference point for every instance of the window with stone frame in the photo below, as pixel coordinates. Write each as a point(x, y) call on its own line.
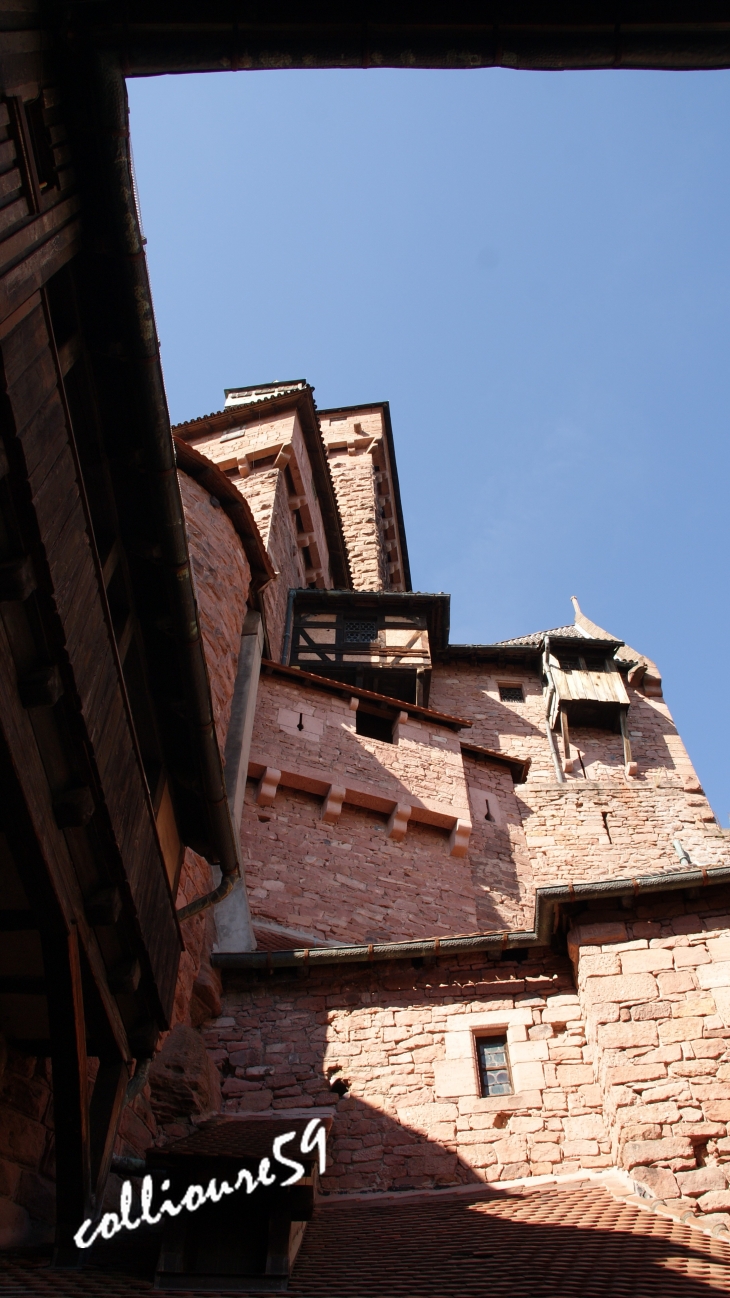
point(493, 1063)
point(511, 694)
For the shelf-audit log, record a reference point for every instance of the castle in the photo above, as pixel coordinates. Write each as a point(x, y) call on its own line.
point(277, 858)
point(481, 927)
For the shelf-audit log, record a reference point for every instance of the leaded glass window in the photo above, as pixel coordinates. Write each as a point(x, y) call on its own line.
point(493, 1066)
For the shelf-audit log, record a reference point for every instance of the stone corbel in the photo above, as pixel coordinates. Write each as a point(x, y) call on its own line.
point(284, 456)
point(332, 807)
point(267, 786)
point(398, 823)
point(459, 839)
point(400, 720)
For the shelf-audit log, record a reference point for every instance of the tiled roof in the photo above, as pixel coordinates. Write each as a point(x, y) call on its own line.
point(536, 638)
point(572, 1241)
point(557, 1243)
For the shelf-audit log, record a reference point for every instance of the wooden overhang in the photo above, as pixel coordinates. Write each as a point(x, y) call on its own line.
point(435, 608)
point(383, 703)
point(215, 482)
point(301, 400)
point(250, 1238)
point(384, 408)
point(518, 766)
point(161, 36)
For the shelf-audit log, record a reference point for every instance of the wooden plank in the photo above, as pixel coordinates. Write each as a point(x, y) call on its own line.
point(56, 498)
point(32, 388)
point(70, 1087)
point(37, 231)
point(24, 343)
point(30, 274)
point(43, 433)
point(12, 213)
point(53, 861)
point(107, 1100)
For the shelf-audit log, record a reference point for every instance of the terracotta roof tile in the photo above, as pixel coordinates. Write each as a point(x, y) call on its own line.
point(577, 1241)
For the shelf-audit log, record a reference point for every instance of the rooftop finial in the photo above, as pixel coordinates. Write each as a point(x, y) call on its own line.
point(576, 606)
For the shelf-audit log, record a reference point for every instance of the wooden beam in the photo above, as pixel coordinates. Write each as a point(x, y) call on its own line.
point(567, 760)
point(38, 846)
point(105, 1110)
point(70, 1086)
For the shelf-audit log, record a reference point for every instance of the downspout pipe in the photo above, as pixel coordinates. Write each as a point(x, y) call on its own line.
point(547, 902)
point(144, 363)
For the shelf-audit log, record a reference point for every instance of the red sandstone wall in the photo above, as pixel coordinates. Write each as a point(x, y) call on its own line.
point(360, 472)
point(501, 869)
point(566, 835)
point(222, 582)
point(655, 995)
point(284, 552)
point(633, 1069)
point(348, 881)
point(401, 1038)
point(268, 495)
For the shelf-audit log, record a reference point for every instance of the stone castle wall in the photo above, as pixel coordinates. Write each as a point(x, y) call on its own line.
point(630, 1066)
point(355, 449)
point(655, 998)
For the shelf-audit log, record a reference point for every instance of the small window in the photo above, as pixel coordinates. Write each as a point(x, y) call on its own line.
point(570, 663)
point(361, 632)
point(374, 726)
point(493, 1066)
point(511, 694)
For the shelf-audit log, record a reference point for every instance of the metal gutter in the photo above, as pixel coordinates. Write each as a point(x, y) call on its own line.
point(145, 371)
point(547, 902)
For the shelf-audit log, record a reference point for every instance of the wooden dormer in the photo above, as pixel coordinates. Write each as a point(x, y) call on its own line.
point(585, 687)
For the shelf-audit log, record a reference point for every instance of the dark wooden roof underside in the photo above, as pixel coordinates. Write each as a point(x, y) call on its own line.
point(178, 36)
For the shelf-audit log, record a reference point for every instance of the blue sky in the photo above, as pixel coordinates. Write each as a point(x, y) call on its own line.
point(534, 269)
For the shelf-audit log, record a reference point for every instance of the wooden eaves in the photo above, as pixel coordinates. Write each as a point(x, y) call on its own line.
point(157, 36)
point(294, 674)
point(518, 766)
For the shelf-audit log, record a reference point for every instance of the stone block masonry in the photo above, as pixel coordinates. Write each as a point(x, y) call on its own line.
point(364, 486)
point(655, 997)
point(392, 1047)
point(222, 582)
point(599, 823)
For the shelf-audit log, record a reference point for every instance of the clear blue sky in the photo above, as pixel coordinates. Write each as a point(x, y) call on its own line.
point(534, 269)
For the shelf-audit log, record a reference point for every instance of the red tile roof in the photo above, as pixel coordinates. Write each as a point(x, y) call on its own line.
point(577, 1241)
